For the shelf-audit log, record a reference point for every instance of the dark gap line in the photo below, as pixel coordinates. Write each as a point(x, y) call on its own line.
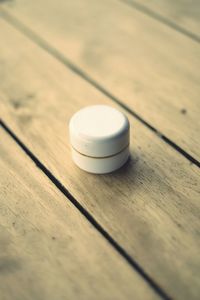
point(75, 69)
point(146, 11)
point(87, 215)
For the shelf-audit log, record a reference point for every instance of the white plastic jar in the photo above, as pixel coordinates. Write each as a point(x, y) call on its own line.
point(99, 137)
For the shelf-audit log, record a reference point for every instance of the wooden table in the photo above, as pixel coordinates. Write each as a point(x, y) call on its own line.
point(66, 234)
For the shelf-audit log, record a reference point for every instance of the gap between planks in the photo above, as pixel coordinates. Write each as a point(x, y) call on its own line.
point(88, 216)
point(48, 246)
point(69, 64)
point(156, 16)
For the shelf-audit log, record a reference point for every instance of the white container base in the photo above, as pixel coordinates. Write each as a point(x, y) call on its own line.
point(100, 165)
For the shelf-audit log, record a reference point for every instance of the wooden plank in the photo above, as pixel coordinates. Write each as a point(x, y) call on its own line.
point(48, 249)
point(150, 207)
point(150, 67)
point(185, 15)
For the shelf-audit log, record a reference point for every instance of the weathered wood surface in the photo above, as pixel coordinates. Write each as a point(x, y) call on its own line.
point(183, 13)
point(147, 65)
point(151, 206)
point(48, 250)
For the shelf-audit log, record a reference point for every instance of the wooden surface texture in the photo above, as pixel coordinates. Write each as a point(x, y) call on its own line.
point(142, 63)
point(135, 232)
point(181, 15)
point(47, 246)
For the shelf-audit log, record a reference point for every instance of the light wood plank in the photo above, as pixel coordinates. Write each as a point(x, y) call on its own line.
point(184, 13)
point(151, 207)
point(149, 66)
point(48, 249)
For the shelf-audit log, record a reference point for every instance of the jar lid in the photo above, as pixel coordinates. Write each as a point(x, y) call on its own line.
point(99, 131)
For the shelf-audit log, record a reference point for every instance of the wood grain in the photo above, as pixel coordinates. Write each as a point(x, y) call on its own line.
point(184, 13)
point(48, 249)
point(151, 206)
point(147, 65)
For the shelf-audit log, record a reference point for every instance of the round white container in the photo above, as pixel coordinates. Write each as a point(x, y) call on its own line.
point(99, 137)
